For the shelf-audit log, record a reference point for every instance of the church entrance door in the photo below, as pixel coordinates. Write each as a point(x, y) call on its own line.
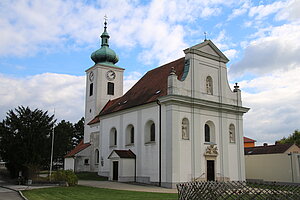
point(210, 170)
point(115, 170)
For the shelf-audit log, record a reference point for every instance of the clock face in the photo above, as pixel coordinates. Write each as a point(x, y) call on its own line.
point(91, 76)
point(110, 75)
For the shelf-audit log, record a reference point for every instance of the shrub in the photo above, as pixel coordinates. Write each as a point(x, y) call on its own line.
point(65, 175)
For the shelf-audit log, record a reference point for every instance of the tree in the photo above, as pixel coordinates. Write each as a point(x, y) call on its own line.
point(79, 132)
point(63, 134)
point(293, 138)
point(25, 140)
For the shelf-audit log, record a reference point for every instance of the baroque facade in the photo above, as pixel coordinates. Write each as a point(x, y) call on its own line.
point(179, 122)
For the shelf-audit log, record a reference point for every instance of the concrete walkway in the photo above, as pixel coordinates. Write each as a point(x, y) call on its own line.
point(125, 186)
point(7, 194)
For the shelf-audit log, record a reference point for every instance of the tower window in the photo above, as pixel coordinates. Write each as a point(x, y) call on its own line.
point(91, 89)
point(110, 88)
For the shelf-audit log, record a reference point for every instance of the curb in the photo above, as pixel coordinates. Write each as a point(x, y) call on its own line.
point(21, 194)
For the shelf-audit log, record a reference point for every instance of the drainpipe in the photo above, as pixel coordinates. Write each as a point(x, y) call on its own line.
point(135, 169)
point(159, 135)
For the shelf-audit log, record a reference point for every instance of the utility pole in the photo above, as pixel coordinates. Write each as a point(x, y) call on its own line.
point(52, 144)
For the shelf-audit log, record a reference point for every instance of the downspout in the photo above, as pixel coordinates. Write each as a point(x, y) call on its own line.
point(159, 151)
point(135, 169)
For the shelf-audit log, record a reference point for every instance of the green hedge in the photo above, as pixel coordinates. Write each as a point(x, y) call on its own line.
point(65, 175)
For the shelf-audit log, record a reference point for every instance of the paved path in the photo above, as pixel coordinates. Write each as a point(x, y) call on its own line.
point(125, 186)
point(7, 194)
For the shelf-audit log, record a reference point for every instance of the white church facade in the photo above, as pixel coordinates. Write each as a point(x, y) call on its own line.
point(179, 122)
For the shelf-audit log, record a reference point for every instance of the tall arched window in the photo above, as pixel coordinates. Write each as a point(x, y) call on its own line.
point(130, 135)
point(209, 85)
point(209, 132)
point(150, 132)
point(185, 129)
point(113, 137)
point(231, 133)
point(97, 156)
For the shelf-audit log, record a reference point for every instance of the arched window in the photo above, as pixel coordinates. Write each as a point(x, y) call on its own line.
point(185, 129)
point(129, 135)
point(113, 137)
point(97, 156)
point(209, 85)
point(231, 133)
point(150, 132)
point(209, 132)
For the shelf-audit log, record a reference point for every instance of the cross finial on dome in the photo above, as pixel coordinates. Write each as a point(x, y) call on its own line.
point(105, 21)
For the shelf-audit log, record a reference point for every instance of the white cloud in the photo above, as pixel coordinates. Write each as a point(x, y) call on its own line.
point(240, 11)
point(45, 91)
point(65, 93)
point(278, 50)
point(274, 103)
point(130, 80)
point(290, 12)
point(32, 26)
point(262, 11)
point(231, 53)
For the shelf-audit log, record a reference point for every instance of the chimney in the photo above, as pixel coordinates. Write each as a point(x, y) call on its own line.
point(265, 144)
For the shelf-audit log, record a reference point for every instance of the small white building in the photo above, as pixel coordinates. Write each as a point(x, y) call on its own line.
point(179, 122)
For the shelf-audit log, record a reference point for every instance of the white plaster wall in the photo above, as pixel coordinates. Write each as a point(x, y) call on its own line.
point(273, 167)
point(79, 160)
point(128, 167)
point(146, 154)
point(69, 164)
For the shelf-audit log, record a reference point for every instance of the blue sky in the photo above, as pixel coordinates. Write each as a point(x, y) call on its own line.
point(45, 47)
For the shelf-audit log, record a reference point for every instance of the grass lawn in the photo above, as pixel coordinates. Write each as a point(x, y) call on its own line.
point(90, 176)
point(90, 193)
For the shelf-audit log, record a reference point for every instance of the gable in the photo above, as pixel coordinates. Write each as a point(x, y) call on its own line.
point(121, 154)
point(80, 147)
point(293, 149)
point(209, 50)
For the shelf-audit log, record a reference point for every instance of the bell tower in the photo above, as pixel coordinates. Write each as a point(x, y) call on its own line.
point(104, 81)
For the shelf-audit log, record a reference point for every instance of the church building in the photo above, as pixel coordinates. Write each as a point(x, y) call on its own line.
point(180, 122)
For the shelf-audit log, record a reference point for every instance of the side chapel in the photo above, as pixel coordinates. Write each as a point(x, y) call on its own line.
point(179, 122)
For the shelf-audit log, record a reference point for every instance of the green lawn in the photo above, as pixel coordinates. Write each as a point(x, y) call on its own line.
point(90, 193)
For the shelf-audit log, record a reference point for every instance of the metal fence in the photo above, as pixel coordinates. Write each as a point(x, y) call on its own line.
point(237, 190)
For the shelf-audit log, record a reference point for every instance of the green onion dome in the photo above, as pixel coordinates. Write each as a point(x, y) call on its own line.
point(105, 54)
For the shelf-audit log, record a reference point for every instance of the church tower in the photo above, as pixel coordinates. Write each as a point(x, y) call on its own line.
point(104, 81)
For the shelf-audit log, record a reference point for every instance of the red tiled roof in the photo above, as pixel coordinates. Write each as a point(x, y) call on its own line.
point(269, 149)
point(248, 140)
point(146, 89)
point(149, 88)
point(125, 153)
point(81, 146)
point(94, 121)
